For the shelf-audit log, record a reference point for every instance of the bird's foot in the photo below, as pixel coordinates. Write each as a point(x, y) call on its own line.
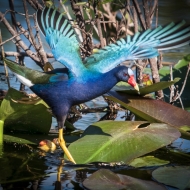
point(62, 144)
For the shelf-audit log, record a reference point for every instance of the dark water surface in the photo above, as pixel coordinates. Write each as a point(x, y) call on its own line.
point(24, 167)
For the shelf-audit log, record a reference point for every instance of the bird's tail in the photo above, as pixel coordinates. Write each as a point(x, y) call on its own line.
point(15, 67)
point(26, 75)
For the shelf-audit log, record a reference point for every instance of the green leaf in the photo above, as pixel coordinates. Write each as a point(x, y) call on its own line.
point(115, 141)
point(178, 176)
point(148, 89)
point(106, 179)
point(81, 3)
point(182, 63)
point(48, 3)
point(1, 132)
point(152, 110)
point(106, 1)
point(20, 140)
point(36, 138)
point(24, 117)
point(147, 161)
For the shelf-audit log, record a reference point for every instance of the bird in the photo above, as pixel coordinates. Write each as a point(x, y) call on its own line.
point(84, 80)
point(47, 145)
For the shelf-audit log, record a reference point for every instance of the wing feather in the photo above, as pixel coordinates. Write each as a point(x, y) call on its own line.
point(61, 39)
point(141, 46)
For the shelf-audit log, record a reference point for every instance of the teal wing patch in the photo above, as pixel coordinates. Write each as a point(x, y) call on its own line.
point(140, 46)
point(61, 38)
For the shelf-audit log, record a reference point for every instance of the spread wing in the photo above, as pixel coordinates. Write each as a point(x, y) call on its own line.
point(141, 46)
point(61, 38)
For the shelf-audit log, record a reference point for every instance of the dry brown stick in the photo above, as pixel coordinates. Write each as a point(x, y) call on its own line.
point(18, 40)
point(23, 54)
point(19, 60)
point(184, 83)
point(29, 26)
point(153, 8)
point(24, 32)
point(5, 67)
point(147, 14)
point(18, 34)
point(135, 20)
point(13, 18)
point(139, 13)
point(87, 37)
point(100, 32)
point(39, 49)
point(156, 77)
point(172, 86)
point(35, 4)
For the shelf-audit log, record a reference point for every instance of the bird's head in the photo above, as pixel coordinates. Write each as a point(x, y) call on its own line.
point(126, 74)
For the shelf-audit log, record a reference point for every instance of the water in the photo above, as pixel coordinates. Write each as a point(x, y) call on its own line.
point(26, 167)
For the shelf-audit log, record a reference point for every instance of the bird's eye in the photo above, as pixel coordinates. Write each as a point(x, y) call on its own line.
point(124, 74)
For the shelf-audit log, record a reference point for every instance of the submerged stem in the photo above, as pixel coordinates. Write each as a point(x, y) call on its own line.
point(1, 132)
point(1, 137)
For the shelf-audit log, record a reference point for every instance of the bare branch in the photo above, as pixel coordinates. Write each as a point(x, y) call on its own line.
point(5, 67)
point(18, 34)
point(19, 41)
point(35, 4)
point(139, 13)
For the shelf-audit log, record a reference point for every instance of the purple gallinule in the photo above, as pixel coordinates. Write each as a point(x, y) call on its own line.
point(82, 81)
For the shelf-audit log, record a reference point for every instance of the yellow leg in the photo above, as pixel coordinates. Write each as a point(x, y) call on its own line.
point(63, 146)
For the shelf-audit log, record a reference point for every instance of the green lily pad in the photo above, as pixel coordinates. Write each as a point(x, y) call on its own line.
point(10, 138)
point(146, 90)
point(22, 117)
point(115, 141)
point(36, 138)
point(178, 176)
point(152, 110)
point(106, 179)
point(147, 161)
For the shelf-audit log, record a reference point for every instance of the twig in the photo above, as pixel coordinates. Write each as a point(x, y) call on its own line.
point(35, 4)
point(184, 83)
point(19, 41)
point(39, 49)
point(139, 13)
point(29, 27)
point(24, 54)
point(147, 13)
point(172, 86)
point(5, 67)
point(70, 18)
point(18, 34)
point(87, 38)
point(13, 18)
point(100, 33)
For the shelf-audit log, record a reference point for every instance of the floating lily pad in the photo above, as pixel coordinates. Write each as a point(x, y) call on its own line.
point(177, 176)
point(106, 179)
point(23, 117)
point(115, 141)
point(145, 90)
point(152, 110)
point(147, 161)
